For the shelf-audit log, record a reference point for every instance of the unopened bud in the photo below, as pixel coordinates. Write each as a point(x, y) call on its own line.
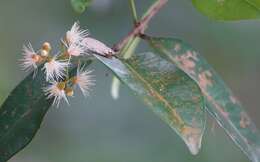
point(46, 46)
point(44, 53)
point(69, 92)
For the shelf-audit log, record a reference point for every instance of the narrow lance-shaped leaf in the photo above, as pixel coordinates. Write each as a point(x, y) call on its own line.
point(229, 9)
point(221, 103)
point(22, 113)
point(168, 91)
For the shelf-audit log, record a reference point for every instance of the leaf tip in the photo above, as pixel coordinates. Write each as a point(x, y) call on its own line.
point(192, 138)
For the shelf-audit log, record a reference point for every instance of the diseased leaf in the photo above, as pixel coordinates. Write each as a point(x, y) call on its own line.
point(229, 9)
point(168, 91)
point(22, 113)
point(220, 101)
point(80, 5)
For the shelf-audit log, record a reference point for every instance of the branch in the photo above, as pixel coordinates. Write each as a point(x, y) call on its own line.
point(141, 25)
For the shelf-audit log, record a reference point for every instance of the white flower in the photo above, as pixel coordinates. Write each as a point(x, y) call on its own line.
point(55, 69)
point(84, 80)
point(75, 35)
point(30, 58)
point(56, 91)
point(96, 46)
point(75, 50)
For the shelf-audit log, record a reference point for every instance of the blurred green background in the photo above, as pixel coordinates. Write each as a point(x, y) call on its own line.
point(100, 129)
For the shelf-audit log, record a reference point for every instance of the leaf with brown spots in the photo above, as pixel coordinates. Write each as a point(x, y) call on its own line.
point(220, 101)
point(22, 113)
point(168, 91)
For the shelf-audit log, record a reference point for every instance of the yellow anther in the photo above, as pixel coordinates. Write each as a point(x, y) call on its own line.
point(61, 85)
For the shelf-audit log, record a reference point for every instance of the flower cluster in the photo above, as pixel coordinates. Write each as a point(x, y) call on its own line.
point(56, 67)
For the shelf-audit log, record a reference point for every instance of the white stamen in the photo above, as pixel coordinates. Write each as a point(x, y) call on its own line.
point(55, 69)
point(53, 91)
point(75, 35)
point(75, 50)
point(84, 80)
point(30, 58)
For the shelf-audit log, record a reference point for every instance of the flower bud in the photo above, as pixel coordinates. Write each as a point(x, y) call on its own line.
point(46, 46)
point(69, 92)
point(44, 53)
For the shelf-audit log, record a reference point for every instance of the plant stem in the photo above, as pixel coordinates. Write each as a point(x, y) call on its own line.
point(133, 9)
point(128, 45)
point(141, 25)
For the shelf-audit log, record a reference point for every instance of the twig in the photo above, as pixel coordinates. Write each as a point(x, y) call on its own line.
point(141, 25)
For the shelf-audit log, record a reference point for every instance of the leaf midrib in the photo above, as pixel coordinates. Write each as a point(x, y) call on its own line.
point(160, 97)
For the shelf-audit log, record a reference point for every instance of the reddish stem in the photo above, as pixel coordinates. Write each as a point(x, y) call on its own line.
point(140, 26)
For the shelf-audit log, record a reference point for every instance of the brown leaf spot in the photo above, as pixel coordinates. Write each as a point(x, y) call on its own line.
point(217, 106)
point(187, 62)
point(204, 79)
point(223, 112)
point(244, 120)
point(195, 55)
point(192, 55)
point(189, 131)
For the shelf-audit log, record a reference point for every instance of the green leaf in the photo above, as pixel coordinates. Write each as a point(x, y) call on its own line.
point(168, 91)
point(80, 5)
point(229, 9)
point(22, 113)
point(220, 101)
